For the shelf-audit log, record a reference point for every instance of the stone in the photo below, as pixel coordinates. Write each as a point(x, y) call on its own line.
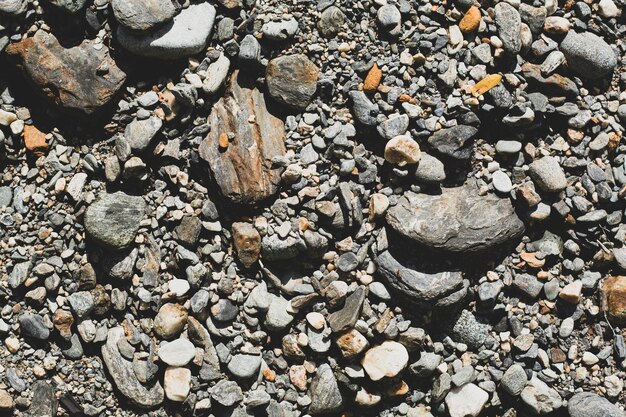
point(177, 353)
point(143, 15)
point(389, 19)
point(245, 366)
point(217, 74)
point(280, 30)
point(547, 174)
point(454, 142)
point(278, 317)
point(486, 84)
point(124, 378)
point(509, 24)
point(540, 397)
point(292, 80)
point(372, 79)
point(528, 284)
point(385, 360)
point(395, 125)
point(177, 383)
point(501, 182)
point(588, 55)
point(188, 231)
point(363, 109)
point(331, 21)
point(139, 133)
point(345, 318)
point(82, 303)
point(247, 242)
point(244, 171)
point(13, 7)
point(430, 170)
point(402, 150)
point(46, 404)
point(32, 325)
point(467, 329)
point(324, 392)
point(352, 343)
point(588, 404)
point(72, 78)
point(556, 25)
point(471, 20)
point(34, 140)
point(614, 299)
point(514, 380)
point(466, 401)
point(426, 366)
point(457, 220)
point(572, 292)
point(186, 35)
point(69, 6)
point(6, 401)
point(608, 9)
point(112, 220)
point(170, 320)
point(226, 393)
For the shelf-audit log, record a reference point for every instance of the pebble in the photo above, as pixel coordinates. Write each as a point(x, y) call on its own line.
point(178, 352)
point(177, 383)
point(385, 360)
point(548, 174)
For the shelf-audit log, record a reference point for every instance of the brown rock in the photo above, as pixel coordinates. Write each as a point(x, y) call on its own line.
point(555, 84)
point(297, 375)
point(81, 78)
point(372, 80)
point(614, 299)
point(170, 320)
point(471, 20)
point(292, 80)
point(352, 343)
point(63, 321)
point(6, 402)
point(247, 242)
point(34, 140)
point(244, 172)
point(486, 84)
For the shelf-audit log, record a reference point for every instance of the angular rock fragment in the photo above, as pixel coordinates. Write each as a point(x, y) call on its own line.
point(588, 404)
point(454, 142)
point(45, 404)
point(81, 78)
point(143, 15)
point(292, 80)
point(614, 298)
point(247, 241)
point(244, 170)
point(113, 219)
point(324, 392)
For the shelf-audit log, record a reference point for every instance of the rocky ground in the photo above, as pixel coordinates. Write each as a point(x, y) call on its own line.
point(293, 207)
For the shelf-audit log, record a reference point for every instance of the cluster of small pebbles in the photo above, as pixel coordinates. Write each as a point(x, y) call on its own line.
point(301, 208)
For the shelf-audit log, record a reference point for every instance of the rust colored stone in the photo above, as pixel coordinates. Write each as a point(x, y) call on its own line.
point(247, 241)
point(81, 78)
point(486, 84)
point(34, 140)
point(222, 141)
point(372, 80)
point(614, 299)
point(471, 20)
point(63, 321)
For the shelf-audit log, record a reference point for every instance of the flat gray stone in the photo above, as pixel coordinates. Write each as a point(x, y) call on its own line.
point(324, 392)
point(143, 15)
point(588, 55)
point(588, 404)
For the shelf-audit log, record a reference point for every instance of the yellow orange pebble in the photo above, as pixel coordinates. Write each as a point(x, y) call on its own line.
point(222, 141)
point(372, 80)
point(486, 84)
point(35, 140)
point(470, 21)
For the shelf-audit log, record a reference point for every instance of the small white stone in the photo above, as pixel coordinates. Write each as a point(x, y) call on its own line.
point(385, 360)
point(466, 401)
point(608, 9)
point(178, 286)
point(177, 383)
point(316, 320)
point(177, 353)
point(501, 182)
point(590, 359)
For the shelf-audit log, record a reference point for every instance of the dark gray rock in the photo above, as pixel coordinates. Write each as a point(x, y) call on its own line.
point(292, 80)
point(32, 325)
point(45, 404)
point(139, 133)
point(457, 220)
point(509, 24)
point(70, 6)
point(363, 109)
point(324, 392)
point(347, 317)
point(226, 393)
point(454, 142)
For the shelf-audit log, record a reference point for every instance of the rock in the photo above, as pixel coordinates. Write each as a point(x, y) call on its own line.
point(402, 150)
point(217, 73)
point(466, 329)
point(454, 142)
point(514, 380)
point(34, 140)
point(121, 371)
point(394, 125)
point(363, 109)
point(177, 383)
point(143, 15)
point(13, 7)
point(572, 292)
point(587, 404)
point(292, 80)
point(187, 35)
point(278, 317)
point(528, 284)
point(352, 343)
point(588, 55)
point(426, 366)
point(69, 6)
point(82, 303)
point(324, 392)
point(548, 174)
point(556, 25)
point(139, 133)
point(608, 9)
point(226, 393)
point(501, 182)
point(247, 241)
point(280, 30)
point(46, 404)
point(372, 79)
point(170, 320)
point(614, 299)
point(466, 401)
point(389, 19)
point(551, 84)
point(331, 21)
point(249, 52)
point(430, 170)
point(457, 220)
point(422, 289)
point(540, 397)
point(245, 366)
point(385, 360)
point(72, 78)
point(113, 219)
point(188, 231)
point(244, 171)
point(471, 20)
point(6, 401)
point(32, 325)
point(347, 317)
point(177, 353)
point(509, 24)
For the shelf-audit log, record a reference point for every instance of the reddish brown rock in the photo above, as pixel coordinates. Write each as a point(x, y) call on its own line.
point(614, 299)
point(244, 171)
point(292, 80)
point(63, 321)
point(247, 242)
point(80, 78)
point(35, 140)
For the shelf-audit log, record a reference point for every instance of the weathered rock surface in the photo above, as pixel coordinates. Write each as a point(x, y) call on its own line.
point(13, 7)
point(324, 392)
point(73, 78)
point(243, 170)
point(113, 219)
point(70, 6)
point(588, 55)
point(614, 298)
point(454, 142)
point(247, 241)
point(45, 404)
point(121, 371)
point(588, 404)
point(457, 220)
point(292, 80)
point(143, 14)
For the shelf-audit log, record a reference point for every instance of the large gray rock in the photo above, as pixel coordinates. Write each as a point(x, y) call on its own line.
point(442, 289)
point(587, 404)
point(588, 55)
point(547, 173)
point(292, 80)
point(113, 219)
point(13, 7)
point(46, 404)
point(139, 133)
point(540, 398)
point(457, 220)
point(121, 371)
point(324, 392)
point(143, 14)
point(509, 24)
point(186, 35)
point(242, 167)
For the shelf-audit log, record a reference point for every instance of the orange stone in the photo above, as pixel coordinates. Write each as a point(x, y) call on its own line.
point(486, 84)
point(614, 299)
point(269, 375)
point(372, 81)
point(222, 141)
point(471, 20)
point(34, 140)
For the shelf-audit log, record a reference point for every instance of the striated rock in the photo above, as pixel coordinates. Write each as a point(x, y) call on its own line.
point(454, 142)
point(457, 220)
point(73, 78)
point(113, 219)
point(46, 404)
point(186, 35)
point(247, 241)
point(386, 360)
point(121, 371)
point(614, 299)
point(244, 171)
point(143, 15)
point(292, 80)
point(324, 392)
point(588, 55)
